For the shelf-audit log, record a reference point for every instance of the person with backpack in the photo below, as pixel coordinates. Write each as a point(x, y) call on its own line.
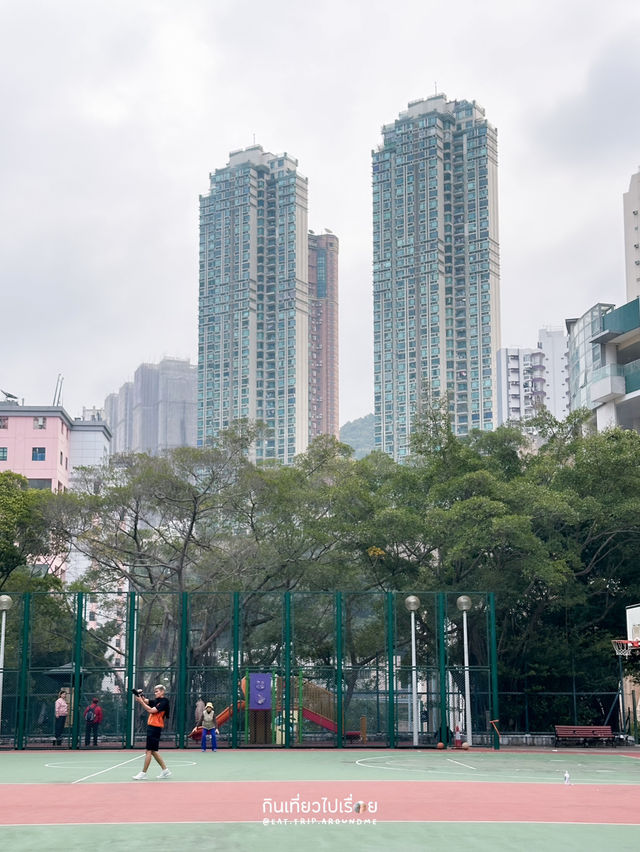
point(92, 718)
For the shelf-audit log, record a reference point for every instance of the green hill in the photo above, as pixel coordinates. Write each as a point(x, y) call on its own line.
point(359, 434)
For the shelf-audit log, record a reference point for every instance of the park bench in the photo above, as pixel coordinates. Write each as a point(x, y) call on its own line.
point(584, 734)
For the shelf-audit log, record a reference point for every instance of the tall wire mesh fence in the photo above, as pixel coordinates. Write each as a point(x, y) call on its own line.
point(287, 669)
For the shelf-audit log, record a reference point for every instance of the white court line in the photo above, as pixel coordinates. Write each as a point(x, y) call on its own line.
point(451, 760)
point(63, 765)
point(108, 769)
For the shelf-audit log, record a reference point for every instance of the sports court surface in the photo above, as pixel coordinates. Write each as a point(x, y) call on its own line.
point(281, 800)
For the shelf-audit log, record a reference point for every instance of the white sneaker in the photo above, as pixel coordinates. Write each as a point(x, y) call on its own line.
point(166, 773)
point(140, 776)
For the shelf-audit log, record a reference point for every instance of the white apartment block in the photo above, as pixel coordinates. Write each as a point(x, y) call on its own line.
point(529, 379)
point(631, 204)
point(521, 382)
point(554, 343)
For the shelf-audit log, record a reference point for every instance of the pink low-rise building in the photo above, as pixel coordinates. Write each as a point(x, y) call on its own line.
point(38, 442)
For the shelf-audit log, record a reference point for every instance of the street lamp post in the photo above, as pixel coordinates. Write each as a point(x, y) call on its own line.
point(5, 606)
point(412, 603)
point(464, 605)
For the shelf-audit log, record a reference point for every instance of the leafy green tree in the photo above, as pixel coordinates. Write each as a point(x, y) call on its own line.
point(27, 538)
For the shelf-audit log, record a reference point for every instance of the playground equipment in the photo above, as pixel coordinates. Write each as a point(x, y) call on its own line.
point(312, 703)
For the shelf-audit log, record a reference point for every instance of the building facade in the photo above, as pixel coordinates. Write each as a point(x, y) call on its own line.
point(259, 324)
point(604, 364)
point(323, 335)
point(631, 208)
point(157, 411)
point(521, 384)
point(554, 343)
point(585, 357)
point(43, 444)
point(530, 379)
point(435, 269)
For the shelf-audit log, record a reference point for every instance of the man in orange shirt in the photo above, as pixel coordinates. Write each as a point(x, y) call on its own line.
point(158, 710)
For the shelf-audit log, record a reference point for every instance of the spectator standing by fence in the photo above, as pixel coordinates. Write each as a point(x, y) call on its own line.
point(92, 718)
point(61, 710)
point(209, 725)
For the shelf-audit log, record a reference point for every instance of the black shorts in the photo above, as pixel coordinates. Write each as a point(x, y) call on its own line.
point(153, 738)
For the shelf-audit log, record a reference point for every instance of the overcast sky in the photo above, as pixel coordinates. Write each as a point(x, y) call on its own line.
point(112, 115)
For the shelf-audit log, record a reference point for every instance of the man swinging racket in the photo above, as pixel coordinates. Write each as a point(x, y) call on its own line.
point(158, 710)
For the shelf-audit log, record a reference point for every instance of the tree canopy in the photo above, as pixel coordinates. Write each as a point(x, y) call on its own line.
point(553, 531)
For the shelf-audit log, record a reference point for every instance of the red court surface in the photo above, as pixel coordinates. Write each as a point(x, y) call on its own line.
point(241, 801)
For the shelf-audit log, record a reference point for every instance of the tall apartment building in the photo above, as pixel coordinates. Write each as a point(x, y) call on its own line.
point(435, 268)
point(323, 335)
point(529, 379)
point(156, 411)
point(631, 207)
point(259, 317)
point(521, 384)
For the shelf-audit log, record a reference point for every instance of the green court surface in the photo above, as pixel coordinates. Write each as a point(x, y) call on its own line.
point(593, 766)
point(404, 837)
point(57, 778)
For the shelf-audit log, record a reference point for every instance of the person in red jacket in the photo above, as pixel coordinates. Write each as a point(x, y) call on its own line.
point(92, 718)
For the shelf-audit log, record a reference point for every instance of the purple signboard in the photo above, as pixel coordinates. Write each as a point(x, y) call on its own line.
point(259, 691)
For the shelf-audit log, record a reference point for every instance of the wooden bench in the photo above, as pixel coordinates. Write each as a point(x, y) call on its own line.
point(585, 734)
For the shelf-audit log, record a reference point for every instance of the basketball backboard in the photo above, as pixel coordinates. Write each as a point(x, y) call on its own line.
point(633, 622)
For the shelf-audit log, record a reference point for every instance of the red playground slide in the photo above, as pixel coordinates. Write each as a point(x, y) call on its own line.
point(224, 715)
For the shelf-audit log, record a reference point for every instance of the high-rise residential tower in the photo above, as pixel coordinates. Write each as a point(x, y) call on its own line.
point(631, 205)
point(157, 411)
point(253, 341)
point(323, 335)
point(435, 268)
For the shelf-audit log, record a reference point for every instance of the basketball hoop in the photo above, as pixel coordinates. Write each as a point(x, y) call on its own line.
point(624, 647)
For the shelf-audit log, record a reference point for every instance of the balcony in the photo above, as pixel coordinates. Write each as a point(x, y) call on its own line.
point(623, 319)
point(607, 383)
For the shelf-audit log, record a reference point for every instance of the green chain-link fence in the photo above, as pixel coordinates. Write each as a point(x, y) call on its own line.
point(332, 669)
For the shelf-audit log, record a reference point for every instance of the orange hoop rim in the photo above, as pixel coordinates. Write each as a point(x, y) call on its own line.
point(624, 647)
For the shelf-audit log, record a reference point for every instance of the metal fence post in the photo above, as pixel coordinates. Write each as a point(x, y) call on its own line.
point(24, 671)
point(129, 734)
point(493, 656)
point(235, 670)
point(287, 669)
point(442, 667)
point(339, 672)
point(77, 671)
point(391, 697)
point(182, 673)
